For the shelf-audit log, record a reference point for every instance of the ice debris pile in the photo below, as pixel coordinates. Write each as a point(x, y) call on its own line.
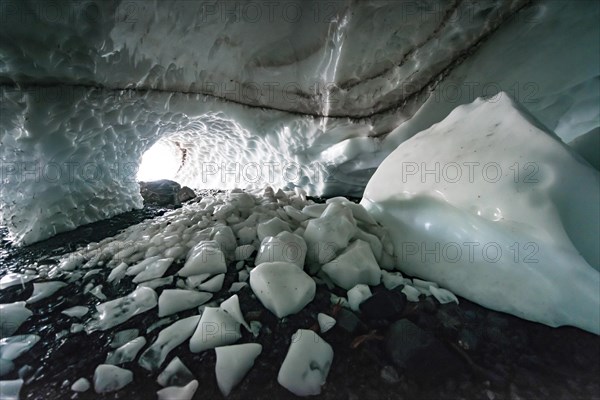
point(278, 244)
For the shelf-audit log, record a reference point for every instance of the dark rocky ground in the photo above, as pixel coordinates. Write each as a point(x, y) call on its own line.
point(419, 351)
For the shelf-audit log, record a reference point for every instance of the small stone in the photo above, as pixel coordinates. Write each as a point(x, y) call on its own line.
point(81, 385)
point(348, 321)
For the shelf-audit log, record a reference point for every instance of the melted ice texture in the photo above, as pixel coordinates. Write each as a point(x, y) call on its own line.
point(511, 210)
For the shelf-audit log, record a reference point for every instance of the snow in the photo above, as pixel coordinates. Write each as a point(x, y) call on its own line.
point(108, 378)
point(282, 287)
point(356, 264)
point(233, 363)
point(13, 315)
point(306, 364)
point(491, 177)
point(172, 301)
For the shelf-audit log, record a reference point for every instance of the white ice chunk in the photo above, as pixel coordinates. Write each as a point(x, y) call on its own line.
point(12, 279)
point(109, 378)
point(117, 273)
point(508, 218)
point(232, 307)
point(442, 295)
point(9, 390)
point(244, 252)
point(122, 337)
point(139, 267)
point(80, 385)
point(127, 352)
point(282, 287)
point(314, 210)
point(357, 295)
point(14, 346)
point(286, 246)
point(156, 283)
point(271, 227)
point(306, 364)
point(172, 301)
point(175, 374)
point(214, 284)
point(196, 280)
point(411, 293)
point(216, 328)
point(44, 290)
point(237, 286)
point(180, 393)
point(13, 315)
point(205, 257)
point(325, 322)
point(233, 363)
point(247, 235)
point(167, 340)
point(354, 265)
point(115, 312)
point(154, 270)
point(391, 280)
point(329, 234)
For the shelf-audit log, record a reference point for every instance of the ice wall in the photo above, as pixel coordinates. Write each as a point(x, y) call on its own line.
point(297, 93)
point(499, 210)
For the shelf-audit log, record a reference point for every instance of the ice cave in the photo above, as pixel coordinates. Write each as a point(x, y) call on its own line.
point(341, 199)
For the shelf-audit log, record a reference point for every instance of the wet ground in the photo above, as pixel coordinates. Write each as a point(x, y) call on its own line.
point(470, 352)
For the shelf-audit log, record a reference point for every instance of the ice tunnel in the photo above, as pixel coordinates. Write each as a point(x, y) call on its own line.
point(455, 142)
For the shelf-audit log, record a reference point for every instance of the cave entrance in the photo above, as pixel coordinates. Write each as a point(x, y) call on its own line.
point(161, 161)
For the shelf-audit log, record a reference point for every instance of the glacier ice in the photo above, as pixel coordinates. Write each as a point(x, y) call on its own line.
point(356, 264)
point(115, 312)
point(180, 393)
point(172, 301)
point(216, 328)
point(13, 315)
point(496, 208)
point(175, 374)
point(127, 352)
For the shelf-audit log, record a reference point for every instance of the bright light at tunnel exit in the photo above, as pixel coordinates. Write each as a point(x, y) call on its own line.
point(161, 161)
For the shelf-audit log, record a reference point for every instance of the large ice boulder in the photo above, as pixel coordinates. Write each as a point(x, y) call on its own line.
point(493, 206)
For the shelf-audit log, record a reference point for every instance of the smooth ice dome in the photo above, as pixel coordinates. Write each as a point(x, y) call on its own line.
point(282, 287)
point(306, 364)
point(486, 204)
point(233, 363)
point(356, 264)
point(109, 378)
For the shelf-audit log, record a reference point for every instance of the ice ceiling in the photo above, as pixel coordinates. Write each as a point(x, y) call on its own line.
point(292, 93)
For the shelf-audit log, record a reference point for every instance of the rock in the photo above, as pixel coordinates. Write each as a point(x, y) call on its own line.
point(384, 304)
point(418, 352)
point(184, 194)
point(389, 374)
point(348, 321)
point(163, 192)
